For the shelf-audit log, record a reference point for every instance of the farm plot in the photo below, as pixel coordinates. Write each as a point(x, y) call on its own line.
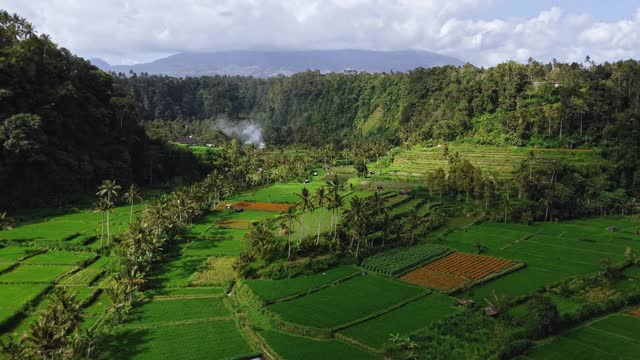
point(415, 315)
point(398, 261)
point(34, 273)
point(337, 305)
point(15, 253)
point(218, 271)
point(197, 340)
point(17, 296)
point(59, 258)
point(257, 205)
point(456, 270)
point(270, 290)
point(89, 274)
point(298, 347)
point(177, 272)
point(178, 310)
point(614, 337)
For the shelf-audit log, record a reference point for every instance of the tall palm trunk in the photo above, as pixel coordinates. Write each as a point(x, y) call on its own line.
point(319, 222)
point(101, 231)
point(131, 213)
point(289, 242)
point(301, 229)
point(108, 228)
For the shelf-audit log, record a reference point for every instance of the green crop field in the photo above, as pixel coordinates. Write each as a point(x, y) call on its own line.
point(89, 274)
point(58, 258)
point(73, 227)
point(199, 340)
point(299, 347)
point(177, 272)
point(34, 273)
point(336, 305)
point(15, 253)
point(275, 289)
point(188, 291)
point(404, 320)
point(16, 296)
point(614, 337)
point(166, 311)
point(551, 252)
point(282, 193)
point(6, 265)
point(397, 261)
point(419, 161)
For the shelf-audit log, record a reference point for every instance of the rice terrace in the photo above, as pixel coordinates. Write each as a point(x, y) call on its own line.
point(292, 200)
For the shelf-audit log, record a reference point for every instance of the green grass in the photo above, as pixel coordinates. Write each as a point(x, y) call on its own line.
point(229, 246)
point(405, 320)
point(15, 253)
point(59, 258)
point(275, 289)
point(397, 261)
point(298, 347)
point(96, 309)
point(614, 337)
point(189, 291)
point(34, 273)
point(166, 311)
point(200, 340)
point(6, 265)
point(348, 301)
point(281, 193)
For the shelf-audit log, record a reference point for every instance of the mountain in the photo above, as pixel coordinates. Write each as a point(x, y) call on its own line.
point(271, 63)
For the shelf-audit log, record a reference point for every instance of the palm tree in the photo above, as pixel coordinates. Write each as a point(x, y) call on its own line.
point(108, 189)
point(305, 204)
point(261, 239)
point(45, 340)
point(5, 221)
point(532, 158)
point(103, 206)
point(357, 217)
point(67, 310)
point(506, 206)
point(287, 217)
point(335, 199)
point(413, 221)
point(547, 200)
point(321, 197)
point(131, 196)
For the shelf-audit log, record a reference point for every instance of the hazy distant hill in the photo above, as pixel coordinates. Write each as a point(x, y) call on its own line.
point(270, 63)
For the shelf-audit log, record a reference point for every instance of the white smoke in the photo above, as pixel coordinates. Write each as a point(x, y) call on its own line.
point(246, 131)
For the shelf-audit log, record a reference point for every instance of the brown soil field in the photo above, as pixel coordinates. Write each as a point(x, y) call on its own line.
point(262, 206)
point(235, 223)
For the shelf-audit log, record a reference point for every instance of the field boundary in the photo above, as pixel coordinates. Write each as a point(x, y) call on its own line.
point(307, 292)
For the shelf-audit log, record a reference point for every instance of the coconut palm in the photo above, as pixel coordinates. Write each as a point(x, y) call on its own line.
point(547, 200)
point(131, 196)
point(44, 340)
point(67, 310)
point(335, 200)
point(357, 217)
point(321, 197)
point(414, 222)
point(103, 206)
point(5, 221)
point(108, 190)
point(532, 158)
point(304, 204)
point(261, 239)
point(286, 218)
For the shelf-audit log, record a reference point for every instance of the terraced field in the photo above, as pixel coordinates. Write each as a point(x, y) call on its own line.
point(398, 261)
point(419, 161)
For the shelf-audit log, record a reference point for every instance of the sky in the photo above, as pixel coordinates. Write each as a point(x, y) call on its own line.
point(482, 32)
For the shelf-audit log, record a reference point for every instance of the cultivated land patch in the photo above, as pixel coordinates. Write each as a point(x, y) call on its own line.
point(551, 251)
point(337, 305)
point(270, 290)
point(218, 271)
point(398, 261)
point(54, 257)
point(197, 340)
point(456, 270)
point(614, 337)
point(178, 310)
point(260, 206)
point(15, 253)
point(299, 347)
point(375, 333)
point(34, 273)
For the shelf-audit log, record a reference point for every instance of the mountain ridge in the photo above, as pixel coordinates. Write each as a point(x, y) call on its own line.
point(270, 63)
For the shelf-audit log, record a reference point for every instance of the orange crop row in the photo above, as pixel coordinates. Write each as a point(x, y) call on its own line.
point(263, 206)
point(456, 270)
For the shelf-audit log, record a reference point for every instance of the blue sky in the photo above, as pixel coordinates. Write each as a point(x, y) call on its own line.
point(483, 32)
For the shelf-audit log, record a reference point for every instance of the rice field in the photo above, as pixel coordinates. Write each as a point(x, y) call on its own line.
point(292, 347)
point(35, 273)
point(337, 305)
point(614, 337)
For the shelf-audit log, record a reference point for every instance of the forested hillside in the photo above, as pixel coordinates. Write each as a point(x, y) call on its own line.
point(562, 105)
point(64, 127)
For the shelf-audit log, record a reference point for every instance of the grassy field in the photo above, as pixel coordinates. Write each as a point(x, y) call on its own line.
point(172, 310)
point(34, 273)
point(269, 290)
point(404, 320)
point(397, 261)
point(298, 347)
point(614, 337)
point(337, 305)
point(59, 258)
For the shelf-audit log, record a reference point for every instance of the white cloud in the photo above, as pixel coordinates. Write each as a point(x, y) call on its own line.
point(123, 31)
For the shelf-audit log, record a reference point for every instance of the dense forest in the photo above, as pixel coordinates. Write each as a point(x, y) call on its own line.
point(556, 104)
point(64, 127)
